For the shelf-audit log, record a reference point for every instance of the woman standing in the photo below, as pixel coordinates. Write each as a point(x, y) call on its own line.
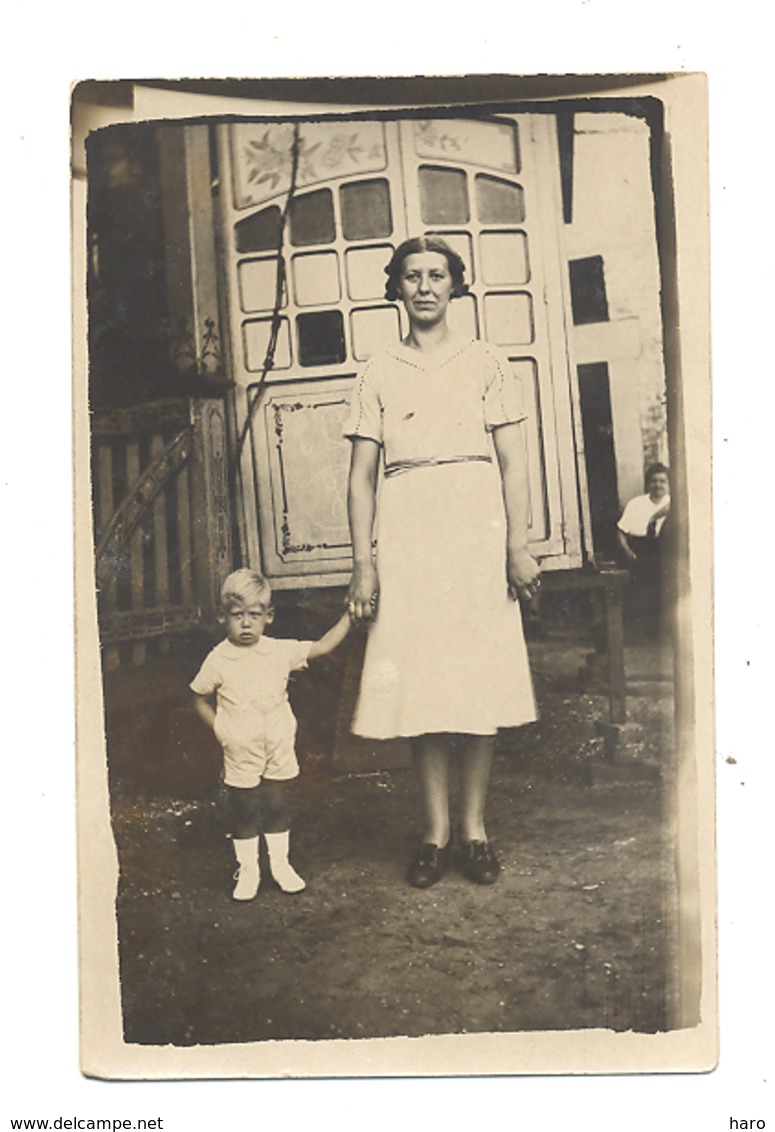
point(446, 663)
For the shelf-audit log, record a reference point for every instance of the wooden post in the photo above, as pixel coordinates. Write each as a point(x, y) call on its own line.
point(210, 521)
point(605, 585)
point(617, 680)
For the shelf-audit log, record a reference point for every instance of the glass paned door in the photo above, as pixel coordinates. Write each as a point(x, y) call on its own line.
point(504, 230)
point(362, 188)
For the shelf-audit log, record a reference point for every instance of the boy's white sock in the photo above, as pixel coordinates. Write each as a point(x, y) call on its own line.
point(282, 870)
point(248, 875)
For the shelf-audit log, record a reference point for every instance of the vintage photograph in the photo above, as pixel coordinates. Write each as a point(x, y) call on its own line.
point(390, 713)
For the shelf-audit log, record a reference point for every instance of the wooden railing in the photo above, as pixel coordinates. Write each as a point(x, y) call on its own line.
point(161, 515)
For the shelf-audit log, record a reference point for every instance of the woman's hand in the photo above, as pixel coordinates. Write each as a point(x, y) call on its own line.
point(363, 594)
point(522, 570)
point(361, 503)
point(627, 550)
point(523, 573)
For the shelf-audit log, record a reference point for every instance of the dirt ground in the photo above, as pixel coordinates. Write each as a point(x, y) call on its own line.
point(576, 934)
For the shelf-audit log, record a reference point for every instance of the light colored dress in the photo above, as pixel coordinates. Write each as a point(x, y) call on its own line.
point(446, 652)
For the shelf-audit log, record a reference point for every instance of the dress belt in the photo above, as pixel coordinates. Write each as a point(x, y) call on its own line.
point(398, 467)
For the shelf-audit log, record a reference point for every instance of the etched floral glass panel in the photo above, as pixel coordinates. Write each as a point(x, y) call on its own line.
point(262, 155)
point(495, 145)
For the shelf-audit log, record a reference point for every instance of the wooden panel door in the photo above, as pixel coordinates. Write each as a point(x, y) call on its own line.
point(361, 188)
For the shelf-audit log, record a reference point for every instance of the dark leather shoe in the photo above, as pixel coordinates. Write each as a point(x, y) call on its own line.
point(480, 863)
point(427, 865)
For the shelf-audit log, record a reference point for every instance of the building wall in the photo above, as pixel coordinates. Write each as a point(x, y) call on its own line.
point(613, 217)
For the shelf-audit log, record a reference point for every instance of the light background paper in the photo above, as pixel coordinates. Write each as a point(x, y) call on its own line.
point(46, 54)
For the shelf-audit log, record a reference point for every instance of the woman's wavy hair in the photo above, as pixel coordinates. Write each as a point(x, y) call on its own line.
point(418, 244)
point(654, 470)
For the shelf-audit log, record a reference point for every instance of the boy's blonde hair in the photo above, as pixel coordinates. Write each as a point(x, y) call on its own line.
point(247, 587)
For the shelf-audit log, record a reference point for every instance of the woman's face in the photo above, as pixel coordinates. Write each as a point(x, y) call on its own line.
point(425, 287)
point(659, 486)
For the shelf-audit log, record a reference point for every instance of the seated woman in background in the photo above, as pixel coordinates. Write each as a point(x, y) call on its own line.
point(639, 532)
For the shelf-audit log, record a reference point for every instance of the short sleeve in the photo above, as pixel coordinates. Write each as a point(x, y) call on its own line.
point(298, 654)
point(365, 416)
point(207, 678)
point(624, 520)
point(503, 400)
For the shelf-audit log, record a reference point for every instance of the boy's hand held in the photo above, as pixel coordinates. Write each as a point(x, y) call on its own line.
point(523, 574)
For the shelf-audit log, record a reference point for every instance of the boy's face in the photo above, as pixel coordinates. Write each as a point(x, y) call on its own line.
point(245, 624)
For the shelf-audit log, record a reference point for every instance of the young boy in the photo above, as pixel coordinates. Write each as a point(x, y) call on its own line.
point(241, 693)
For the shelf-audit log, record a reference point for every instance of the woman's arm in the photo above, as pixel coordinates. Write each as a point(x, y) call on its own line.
point(624, 543)
point(330, 640)
point(361, 506)
point(522, 570)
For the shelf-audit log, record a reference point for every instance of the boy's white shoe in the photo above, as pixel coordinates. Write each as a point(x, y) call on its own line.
point(248, 875)
point(282, 870)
